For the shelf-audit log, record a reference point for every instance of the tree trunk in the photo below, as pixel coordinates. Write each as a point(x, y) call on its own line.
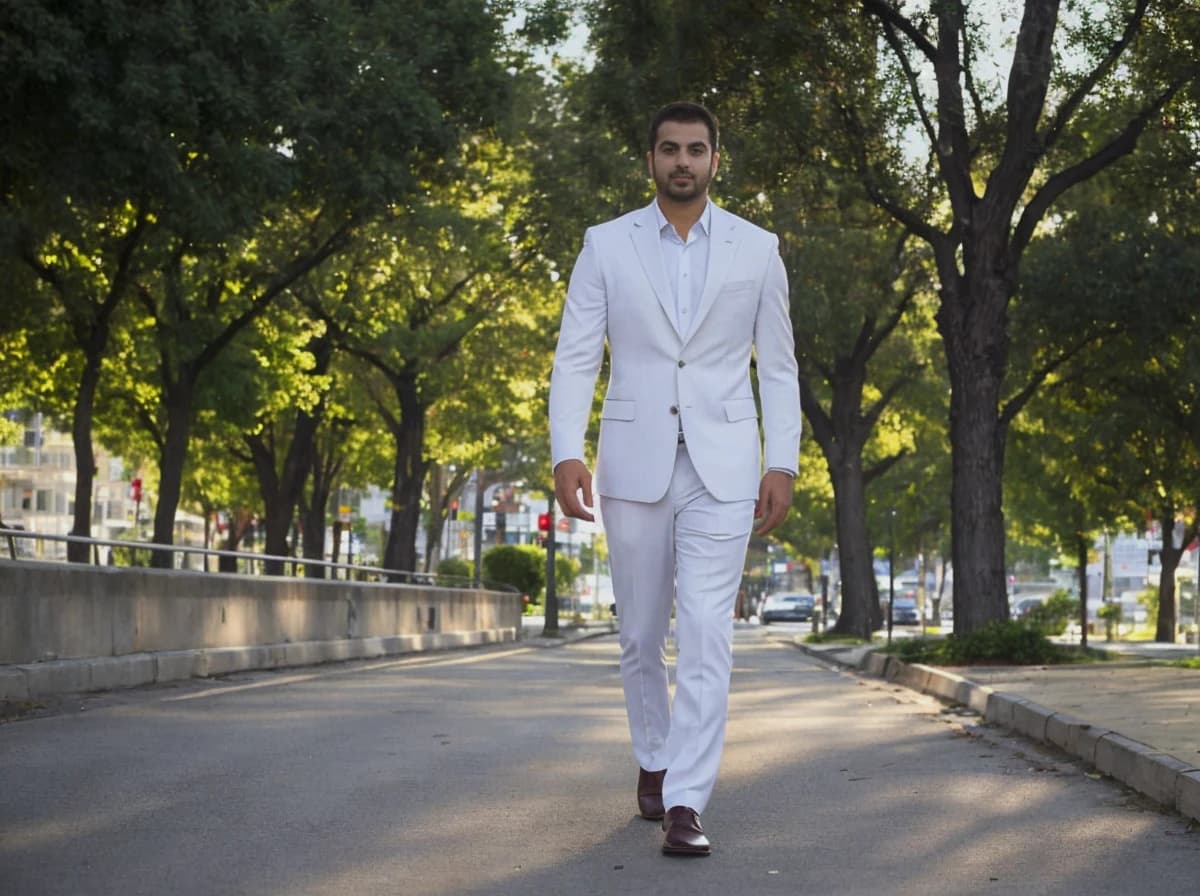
point(408, 479)
point(324, 472)
point(860, 614)
point(1164, 631)
point(281, 491)
point(178, 401)
point(234, 532)
point(972, 319)
point(407, 484)
point(85, 456)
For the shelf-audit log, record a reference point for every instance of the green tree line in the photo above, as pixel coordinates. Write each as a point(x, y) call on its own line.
point(277, 247)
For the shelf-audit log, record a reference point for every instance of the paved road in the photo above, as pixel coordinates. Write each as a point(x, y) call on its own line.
point(506, 771)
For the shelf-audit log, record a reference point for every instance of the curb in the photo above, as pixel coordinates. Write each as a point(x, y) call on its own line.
point(32, 681)
point(1166, 780)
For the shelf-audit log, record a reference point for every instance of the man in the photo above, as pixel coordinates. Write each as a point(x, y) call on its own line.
point(683, 292)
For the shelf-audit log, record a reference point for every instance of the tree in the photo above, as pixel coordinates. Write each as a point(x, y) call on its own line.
point(862, 89)
point(1120, 431)
point(1002, 164)
point(223, 155)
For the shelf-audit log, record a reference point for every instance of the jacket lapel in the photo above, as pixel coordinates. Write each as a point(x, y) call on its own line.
point(722, 246)
point(646, 242)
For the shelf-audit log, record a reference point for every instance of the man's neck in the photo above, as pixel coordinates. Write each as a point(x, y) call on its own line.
point(682, 215)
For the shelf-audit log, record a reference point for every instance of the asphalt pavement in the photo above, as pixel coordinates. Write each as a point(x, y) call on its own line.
point(1135, 719)
point(505, 771)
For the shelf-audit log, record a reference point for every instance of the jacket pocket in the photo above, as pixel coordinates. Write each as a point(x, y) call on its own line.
point(740, 409)
point(738, 286)
point(618, 409)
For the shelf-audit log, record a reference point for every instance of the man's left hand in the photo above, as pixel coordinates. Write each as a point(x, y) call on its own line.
point(774, 499)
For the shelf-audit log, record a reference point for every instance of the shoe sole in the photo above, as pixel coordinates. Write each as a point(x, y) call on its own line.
point(658, 817)
point(686, 850)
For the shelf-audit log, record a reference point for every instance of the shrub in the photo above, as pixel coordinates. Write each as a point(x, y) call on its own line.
point(566, 570)
point(1148, 598)
point(1053, 615)
point(1000, 642)
point(524, 568)
point(521, 566)
point(455, 572)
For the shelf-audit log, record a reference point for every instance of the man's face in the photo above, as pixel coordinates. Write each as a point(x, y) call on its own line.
point(682, 163)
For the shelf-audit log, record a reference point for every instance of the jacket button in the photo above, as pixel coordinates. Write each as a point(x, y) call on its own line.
point(681, 363)
point(674, 410)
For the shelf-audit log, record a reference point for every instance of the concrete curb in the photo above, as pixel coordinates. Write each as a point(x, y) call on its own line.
point(32, 681)
point(1163, 778)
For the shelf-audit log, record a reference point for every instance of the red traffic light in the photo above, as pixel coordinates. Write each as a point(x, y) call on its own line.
point(543, 522)
point(135, 489)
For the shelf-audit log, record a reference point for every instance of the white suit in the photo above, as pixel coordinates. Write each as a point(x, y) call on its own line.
point(677, 513)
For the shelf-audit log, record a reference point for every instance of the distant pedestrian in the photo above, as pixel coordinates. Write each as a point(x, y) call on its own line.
point(683, 293)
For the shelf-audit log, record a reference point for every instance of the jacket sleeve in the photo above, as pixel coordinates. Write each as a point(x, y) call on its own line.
point(778, 374)
point(578, 355)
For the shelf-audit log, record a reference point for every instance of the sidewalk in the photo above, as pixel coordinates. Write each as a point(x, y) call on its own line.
point(1133, 719)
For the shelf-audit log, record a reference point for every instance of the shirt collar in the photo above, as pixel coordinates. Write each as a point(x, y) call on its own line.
point(705, 220)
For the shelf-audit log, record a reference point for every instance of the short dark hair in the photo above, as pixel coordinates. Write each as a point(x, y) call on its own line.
point(684, 112)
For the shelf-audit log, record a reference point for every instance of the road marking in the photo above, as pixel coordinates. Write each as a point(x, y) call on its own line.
point(421, 662)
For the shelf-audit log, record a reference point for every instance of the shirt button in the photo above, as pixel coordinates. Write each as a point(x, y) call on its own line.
point(674, 410)
point(682, 364)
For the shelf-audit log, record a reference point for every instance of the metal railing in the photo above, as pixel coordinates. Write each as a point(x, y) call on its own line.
point(249, 562)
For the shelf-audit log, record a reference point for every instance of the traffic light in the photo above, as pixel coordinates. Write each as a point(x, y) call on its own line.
point(135, 489)
point(543, 522)
point(454, 510)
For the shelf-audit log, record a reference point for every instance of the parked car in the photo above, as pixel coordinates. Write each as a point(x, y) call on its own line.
point(1025, 606)
point(904, 611)
point(787, 608)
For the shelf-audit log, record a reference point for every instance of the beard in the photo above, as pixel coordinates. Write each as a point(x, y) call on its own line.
point(684, 191)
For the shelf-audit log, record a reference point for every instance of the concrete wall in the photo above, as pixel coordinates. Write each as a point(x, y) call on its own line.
point(62, 611)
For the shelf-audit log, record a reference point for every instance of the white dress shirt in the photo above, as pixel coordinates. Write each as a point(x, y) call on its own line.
point(685, 263)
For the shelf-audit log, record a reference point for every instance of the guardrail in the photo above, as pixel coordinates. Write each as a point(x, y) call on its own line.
point(253, 562)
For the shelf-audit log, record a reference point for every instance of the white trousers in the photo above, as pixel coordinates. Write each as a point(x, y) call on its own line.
point(687, 549)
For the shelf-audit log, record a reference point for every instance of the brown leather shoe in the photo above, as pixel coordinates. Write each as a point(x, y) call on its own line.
point(649, 793)
point(684, 836)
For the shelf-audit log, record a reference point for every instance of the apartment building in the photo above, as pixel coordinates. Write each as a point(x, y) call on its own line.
point(37, 488)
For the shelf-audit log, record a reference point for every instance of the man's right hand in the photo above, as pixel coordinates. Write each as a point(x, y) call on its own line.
point(571, 477)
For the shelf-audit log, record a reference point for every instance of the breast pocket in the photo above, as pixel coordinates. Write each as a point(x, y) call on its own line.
point(738, 286)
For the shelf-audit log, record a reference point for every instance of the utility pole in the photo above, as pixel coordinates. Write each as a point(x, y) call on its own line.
point(479, 527)
point(551, 627)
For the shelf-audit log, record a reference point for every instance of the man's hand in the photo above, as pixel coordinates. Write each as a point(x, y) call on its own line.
point(774, 499)
point(570, 478)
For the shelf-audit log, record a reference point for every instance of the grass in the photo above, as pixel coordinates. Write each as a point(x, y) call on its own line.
point(1193, 663)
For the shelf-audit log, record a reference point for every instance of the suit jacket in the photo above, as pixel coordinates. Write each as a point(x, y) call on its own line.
point(661, 380)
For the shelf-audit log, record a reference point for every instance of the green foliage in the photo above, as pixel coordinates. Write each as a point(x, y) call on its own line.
point(566, 570)
point(1148, 598)
point(1000, 642)
point(1052, 616)
point(455, 572)
point(521, 566)
point(1111, 612)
